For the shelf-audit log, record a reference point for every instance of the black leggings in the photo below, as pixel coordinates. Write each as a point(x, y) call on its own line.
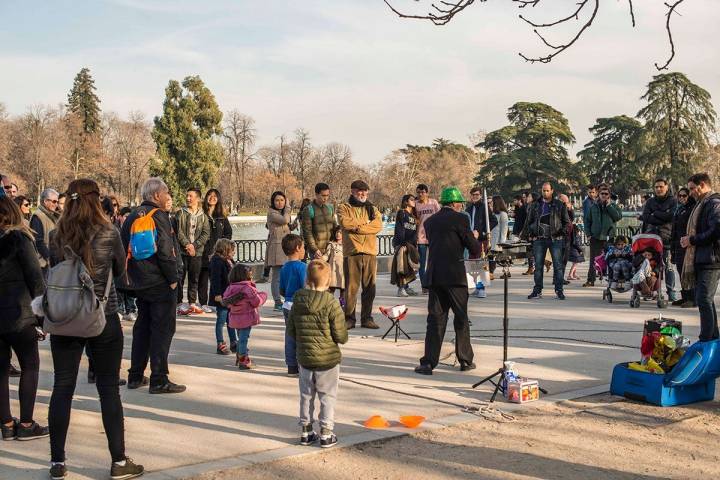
point(203, 285)
point(106, 350)
point(25, 345)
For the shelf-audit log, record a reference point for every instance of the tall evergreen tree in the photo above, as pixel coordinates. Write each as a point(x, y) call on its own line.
point(679, 118)
point(187, 136)
point(529, 151)
point(616, 155)
point(84, 102)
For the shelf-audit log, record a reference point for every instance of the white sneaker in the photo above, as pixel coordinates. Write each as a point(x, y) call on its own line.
point(183, 309)
point(401, 292)
point(207, 309)
point(411, 292)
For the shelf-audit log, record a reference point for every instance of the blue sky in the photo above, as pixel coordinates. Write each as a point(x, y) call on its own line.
point(347, 70)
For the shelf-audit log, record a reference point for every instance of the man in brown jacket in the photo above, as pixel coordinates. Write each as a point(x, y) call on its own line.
point(360, 221)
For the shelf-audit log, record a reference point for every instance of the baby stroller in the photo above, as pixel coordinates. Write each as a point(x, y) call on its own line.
point(619, 284)
point(641, 243)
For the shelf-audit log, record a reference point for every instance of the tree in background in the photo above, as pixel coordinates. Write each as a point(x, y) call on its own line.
point(83, 123)
point(301, 156)
point(615, 155)
point(679, 118)
point(529, 151)
point(186, 136)
point(239, 139)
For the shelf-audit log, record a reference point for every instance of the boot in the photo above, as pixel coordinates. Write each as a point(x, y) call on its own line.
point(548, 264)
point(530, 271)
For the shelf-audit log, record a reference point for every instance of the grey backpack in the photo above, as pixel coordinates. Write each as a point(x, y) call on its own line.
point(71, 307)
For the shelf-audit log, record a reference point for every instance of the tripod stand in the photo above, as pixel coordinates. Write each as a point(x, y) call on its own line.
point(500, 373)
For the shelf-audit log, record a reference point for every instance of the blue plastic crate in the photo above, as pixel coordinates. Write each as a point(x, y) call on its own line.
point(692, 380)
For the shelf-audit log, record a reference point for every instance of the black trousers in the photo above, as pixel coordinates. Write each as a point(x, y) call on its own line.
point(191, 270)
point(440, 302)
point(596, 248)
point(203, 284)
point(25, 345)
point(106, 351)
point(152, 335)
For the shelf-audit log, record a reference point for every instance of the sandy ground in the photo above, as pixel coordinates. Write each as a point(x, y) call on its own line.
point(599, 437)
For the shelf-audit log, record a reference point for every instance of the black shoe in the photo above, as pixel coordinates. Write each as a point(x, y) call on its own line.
point(167, 387)
point(566, 282)
point(559, 295)
point(91, 377)
point(327, 441)
point(9, 433)
point(135, 384)
point(678, 303)
point(32, 432)
point(308, 438)
point(14, 371)
point(370, 323)
point(129, 470)
point(535, 295)
point(424, 369)
point(58, 471)
point(349, 324)
point(293, 371)
point(122, 382)
point(464, 367)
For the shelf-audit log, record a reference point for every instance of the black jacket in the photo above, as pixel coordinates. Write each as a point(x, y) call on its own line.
point(219, 270)
point(405, 229)
point(219, 228)
point(161, 270)
point(108, 253)
point(520, 217)
point(21, 280)
point(559, 220)
point(679, 228)
point(707, 235)
point(657, 217)
point(479, 224)
point(449, 234)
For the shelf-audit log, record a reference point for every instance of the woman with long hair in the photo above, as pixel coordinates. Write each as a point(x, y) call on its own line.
point(24, 204)
point(498, 234)
point(279, 225)
point(21, 280)
point(405, 236)
point(219, 228)
point(87, 231)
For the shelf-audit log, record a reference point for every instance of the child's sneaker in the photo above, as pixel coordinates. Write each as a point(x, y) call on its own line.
point(222, 349)
point(244, 362)
point(328, 440)
point(308, 436)
point(278, 307)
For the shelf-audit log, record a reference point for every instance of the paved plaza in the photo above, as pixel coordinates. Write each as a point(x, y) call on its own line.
point(228, 417)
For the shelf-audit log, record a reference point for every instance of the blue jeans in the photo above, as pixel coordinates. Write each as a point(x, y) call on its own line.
point(706, 283)
point(290, 346)
point(242, 342)
point(422, 249)
point(220, 322)
point(540, 248)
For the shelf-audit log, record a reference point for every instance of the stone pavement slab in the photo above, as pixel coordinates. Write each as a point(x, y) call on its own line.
point(228, 416)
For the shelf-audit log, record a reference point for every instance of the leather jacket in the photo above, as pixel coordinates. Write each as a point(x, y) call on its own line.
point(559, 220)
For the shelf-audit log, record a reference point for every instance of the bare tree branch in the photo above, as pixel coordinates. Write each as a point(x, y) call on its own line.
point(671, 9)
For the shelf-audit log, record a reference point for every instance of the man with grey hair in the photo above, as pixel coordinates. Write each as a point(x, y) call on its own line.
point(43, 222)
point(154, 280)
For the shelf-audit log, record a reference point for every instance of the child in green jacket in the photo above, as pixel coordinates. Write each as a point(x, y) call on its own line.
point(317, 323)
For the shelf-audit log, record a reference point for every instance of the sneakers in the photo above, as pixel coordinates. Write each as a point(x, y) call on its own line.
point(167, 387)
point(588, 284)
point(678, 302)
point(207, 309)
point(32, 432)
point(293, 371)
point(411, 292)
point(130, 317)
point(308, 436)
point(328, 440)
point(278, 307)
point(195, 309)
point(222, 349)
point(135, 384)
point(369, 323)
point(126, 471)
point(535, 295)
point(401, 292)
point(9, 432)
point(243, 362)
point(14, 371)
point(184, 309)
point(559, 295)
point(58, 471)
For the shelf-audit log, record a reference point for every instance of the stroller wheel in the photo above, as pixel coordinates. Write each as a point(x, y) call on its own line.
point(609, 297)
point(635, 301)
point(662, 303)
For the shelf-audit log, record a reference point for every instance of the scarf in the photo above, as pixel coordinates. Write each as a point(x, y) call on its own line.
point(368, 206)
point(687, 278)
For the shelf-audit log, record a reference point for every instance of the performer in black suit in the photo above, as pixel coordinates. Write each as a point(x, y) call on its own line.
point(449, 234)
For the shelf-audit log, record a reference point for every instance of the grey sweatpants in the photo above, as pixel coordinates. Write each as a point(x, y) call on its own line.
point(324, 383)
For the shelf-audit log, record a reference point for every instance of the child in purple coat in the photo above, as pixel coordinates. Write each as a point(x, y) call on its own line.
point(244, 301)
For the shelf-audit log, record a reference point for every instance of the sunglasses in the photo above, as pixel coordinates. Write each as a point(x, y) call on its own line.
point(53, 201)
point(25, 204)
point(604, 193)
point(114, 204)
point(682, 195)
point(7, 187)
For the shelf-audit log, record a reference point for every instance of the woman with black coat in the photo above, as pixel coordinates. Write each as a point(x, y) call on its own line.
point(86, 230)
point(405, 236)
point(21, 280)
point(686, 203)
point(219, 228)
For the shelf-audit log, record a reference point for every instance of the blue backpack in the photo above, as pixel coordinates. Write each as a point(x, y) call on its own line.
point(143, 237)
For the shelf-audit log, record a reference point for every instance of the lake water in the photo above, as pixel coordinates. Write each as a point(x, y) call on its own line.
point(255, 229)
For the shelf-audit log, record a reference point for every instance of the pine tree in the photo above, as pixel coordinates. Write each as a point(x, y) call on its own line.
point(83, 102)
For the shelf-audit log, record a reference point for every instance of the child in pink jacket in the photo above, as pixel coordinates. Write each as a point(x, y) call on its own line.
point(244, 301)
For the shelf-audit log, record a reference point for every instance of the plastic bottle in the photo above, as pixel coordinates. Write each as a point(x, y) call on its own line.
point(480, 290)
